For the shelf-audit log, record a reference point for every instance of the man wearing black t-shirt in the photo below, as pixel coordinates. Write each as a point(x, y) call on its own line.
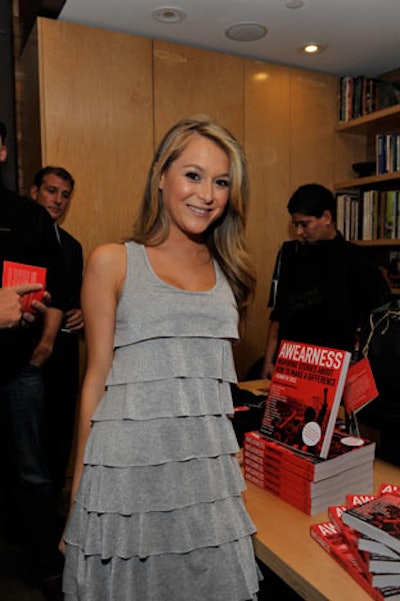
point(324, 286)
point(53, 188)
point(27, 236)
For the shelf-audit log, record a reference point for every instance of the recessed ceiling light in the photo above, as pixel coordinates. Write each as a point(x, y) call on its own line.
point(169, 14)
point(246, 32)
point(312, 48)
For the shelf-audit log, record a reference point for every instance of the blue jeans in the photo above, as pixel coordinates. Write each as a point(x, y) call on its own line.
point(29, 491)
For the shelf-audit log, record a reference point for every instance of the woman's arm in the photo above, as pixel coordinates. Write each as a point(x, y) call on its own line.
point(101, 289)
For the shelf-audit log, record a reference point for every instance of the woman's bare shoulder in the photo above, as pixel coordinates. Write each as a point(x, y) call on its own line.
point(108, 252)
point(109, 260)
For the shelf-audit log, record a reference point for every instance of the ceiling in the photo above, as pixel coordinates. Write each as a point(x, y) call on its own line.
point(361, 36)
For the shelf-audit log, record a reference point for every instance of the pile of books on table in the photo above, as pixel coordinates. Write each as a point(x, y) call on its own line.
point(307, 482)
point(299, 453)
point(363, 536)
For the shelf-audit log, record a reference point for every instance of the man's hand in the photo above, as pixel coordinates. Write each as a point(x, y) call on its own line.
point(73, 320)
point(39, 307)
point(11, 314)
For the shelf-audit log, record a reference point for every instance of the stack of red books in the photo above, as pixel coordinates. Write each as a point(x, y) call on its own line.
point(308, 482)
point(299, 453)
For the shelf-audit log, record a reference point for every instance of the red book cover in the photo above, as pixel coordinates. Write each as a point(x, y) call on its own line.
point(360, 387)
point(386, 487)
point(378, 519)
point(332, 541)
point(304, 396)
point(302, 503)
point(274, 459)
point(15, 274)
point(354, 500)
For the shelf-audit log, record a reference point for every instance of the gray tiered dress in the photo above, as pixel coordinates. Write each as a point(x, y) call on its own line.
point(158, 515)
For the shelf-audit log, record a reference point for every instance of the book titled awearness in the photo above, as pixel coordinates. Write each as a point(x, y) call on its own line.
point(306, 481)
point(378, 519)
point(15, 274)
point(304, 396)
point(345, 452)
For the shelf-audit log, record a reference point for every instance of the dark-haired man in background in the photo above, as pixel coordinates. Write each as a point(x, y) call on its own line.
point(52, 189)
point(323, 286)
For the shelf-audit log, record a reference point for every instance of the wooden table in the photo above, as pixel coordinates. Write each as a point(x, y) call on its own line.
point(283, 542)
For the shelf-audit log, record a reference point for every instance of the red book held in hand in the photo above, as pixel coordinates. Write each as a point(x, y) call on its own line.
point(15, 274)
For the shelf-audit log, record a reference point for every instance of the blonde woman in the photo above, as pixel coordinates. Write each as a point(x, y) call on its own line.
point(157, 512)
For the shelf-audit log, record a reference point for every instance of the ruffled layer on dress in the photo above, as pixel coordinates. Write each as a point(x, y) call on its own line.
point(159, 487)
point(223, 573)
point(165, 398)
point(159, 440)
point(168, 358)
point(158, 532)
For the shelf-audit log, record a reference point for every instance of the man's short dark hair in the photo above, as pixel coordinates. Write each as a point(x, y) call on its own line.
point(58, 171)
point(3, 132)
point(312, 200)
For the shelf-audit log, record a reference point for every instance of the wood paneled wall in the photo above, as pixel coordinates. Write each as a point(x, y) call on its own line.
point(189, 81)
point(97, 121)
point(106, 99)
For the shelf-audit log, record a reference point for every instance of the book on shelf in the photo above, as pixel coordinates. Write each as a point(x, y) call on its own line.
point(15, 274)
point(304, 396)
point(378, 519)
point(380, 151)
point(331, 540)
point(368, 215)
point(387, 148)
point(348, 214)
point(361, 95)
point(390, 230)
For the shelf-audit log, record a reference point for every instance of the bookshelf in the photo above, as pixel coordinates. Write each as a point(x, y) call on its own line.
point(384, 121)
point(373, 180)
point(386, 250)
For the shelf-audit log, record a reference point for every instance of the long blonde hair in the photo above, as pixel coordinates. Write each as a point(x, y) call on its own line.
point(226, 237)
